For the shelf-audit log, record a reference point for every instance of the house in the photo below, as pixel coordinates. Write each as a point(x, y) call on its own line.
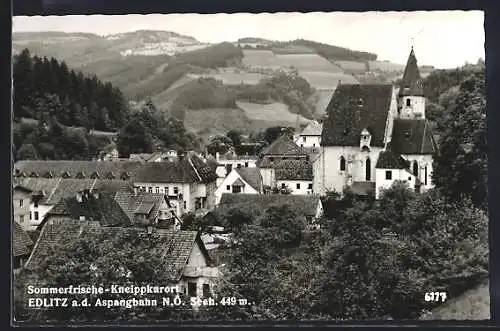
point(283, 148)
point(310, 206)
point(109, 153)
point(296, 175)
point(150, 207)
point(241, 180)
point(190, 265)
point(89, 205)
point(47, 192)
point(227, 162)
point(310, 136)
point(186, 180)
point(21, 199)
point(110, 170)
point(21, 245)
point(363, 123)
point(392, 167)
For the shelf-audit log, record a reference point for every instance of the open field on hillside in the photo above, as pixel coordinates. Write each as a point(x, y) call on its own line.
point(293, 49)
point(386, 66)
point(273, 112)
point(260, 58)
point(217, 121)
point(233, 78)
point(327, 80)
point(33, 122)
point(352, 66)
point(322, 98)
point(309, 62)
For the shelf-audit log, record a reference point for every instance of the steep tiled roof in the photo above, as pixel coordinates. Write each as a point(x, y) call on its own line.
point(189, 169)
point(55, 189)
point(104, 169)
point(411, 83)
point(175, 247)
point(312, 129)
point(252, 176)
point(294, 170)
point(412, 136)
point(284, 145)
point(354, 108)
point(362, 188)
point(305, 204)
point(130, 202)
point(21, 241)
point(391, 160)
point(104, 210)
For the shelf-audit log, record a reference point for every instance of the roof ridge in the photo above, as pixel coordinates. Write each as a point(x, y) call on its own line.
point(194, 168)
point(54, 189)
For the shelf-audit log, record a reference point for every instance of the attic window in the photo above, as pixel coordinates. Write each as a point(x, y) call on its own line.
point(95, 175)
point(408, 102)
point(124, 176)
point(80, 175)
point(66, 174)
point(110, 175)
point(48, 174)
point(34, 174)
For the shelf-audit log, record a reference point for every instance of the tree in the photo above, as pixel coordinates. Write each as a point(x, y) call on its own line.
point(27, 152)
point(134, 138)
point(235, 137)
point(219, 144)
point(460, 167)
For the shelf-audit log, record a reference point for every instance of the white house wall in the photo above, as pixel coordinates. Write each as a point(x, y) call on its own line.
point(397, 175)
point(292, 184)
point(268, 176)
point(42, 212)
point(229, 180)
point(308, 141)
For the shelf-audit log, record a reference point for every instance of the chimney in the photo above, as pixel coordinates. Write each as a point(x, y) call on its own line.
point(79, 196)
point(96, 194)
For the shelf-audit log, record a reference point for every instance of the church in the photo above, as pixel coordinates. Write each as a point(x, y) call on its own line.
point(374, 135)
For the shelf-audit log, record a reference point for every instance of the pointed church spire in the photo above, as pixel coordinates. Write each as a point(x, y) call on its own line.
point(411, 84)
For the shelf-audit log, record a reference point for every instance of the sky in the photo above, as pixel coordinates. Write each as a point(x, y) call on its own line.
point(444, 39)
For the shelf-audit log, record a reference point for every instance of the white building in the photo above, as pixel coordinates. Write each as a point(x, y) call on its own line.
point(296, 175)
point(310, 136)
point(366, 120)
point(240, 180)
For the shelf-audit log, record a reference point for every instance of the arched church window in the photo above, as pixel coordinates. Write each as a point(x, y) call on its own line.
point(425, 173)
point(415, 168)
point(408, 102)
point(368, 169)
point(342, 163)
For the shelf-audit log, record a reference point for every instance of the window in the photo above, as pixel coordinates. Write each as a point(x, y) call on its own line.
point(409, 178)
point(206, 290)
point(388, 175)
point(314, 145)
point(342, 163)
point(166, 190)
point(304, 139)
point(368, 170)
point(298, 186)
point(246, 164)
point(191, 289)
point(238, 165)
point(31, 216)
point(21, 202)
point(415, 168)
point(21, 218)
point(283, 185)
point(157, 190)
point(310, 186)
point(425, 174)
point(35, 203)
point(237, 189)
point(150, 189)
point(36, 216)
point(408, 102)
point(301, 145)
point(228, 187)
point(185, 204)
point(176, 190)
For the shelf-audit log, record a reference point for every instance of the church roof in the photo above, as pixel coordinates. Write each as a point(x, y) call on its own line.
point(412, 136)
point(411, 83)
point(354, 108)
point(391, 160)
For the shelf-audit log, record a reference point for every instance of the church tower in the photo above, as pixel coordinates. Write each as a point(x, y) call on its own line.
point(411, 100)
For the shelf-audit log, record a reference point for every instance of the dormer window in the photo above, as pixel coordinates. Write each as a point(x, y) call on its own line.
point(365, 140)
